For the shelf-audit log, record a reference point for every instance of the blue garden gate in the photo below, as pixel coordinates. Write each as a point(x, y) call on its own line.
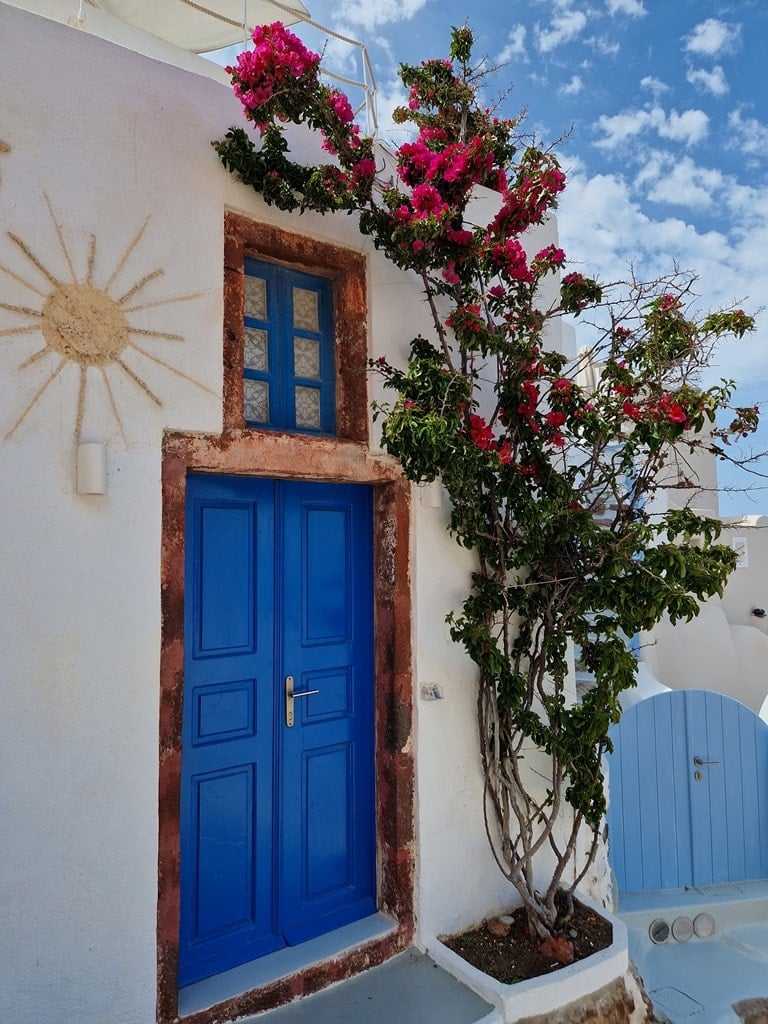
point(688, 793)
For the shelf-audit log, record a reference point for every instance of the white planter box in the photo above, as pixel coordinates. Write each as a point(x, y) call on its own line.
point(551, 991)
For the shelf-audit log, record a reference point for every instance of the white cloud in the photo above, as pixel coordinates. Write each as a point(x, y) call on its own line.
point(708, 81)
point(749, 135)
point(370, 16)
point(689, 127)
point(604, 45)
point(654, 85)
point(515, 45)
point(572, 88)
point(667, 178)
point(622, 127)
point(712, 37)
point(653, 167)
point(633, 8)
point(565, 26)
point(683, 183)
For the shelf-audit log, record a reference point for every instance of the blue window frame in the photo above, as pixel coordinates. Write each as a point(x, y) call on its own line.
point(288, 364)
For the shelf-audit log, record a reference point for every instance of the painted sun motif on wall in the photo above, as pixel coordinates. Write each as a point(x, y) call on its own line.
point(87, 326)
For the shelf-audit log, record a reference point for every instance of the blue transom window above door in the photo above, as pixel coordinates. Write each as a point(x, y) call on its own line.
point(288, 364)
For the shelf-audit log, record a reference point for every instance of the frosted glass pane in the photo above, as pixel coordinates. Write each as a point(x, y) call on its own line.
point(305, 315)
point(256, 355)
point(306, 358)
point(308, 408)
point(256, 401)
point(256, 298)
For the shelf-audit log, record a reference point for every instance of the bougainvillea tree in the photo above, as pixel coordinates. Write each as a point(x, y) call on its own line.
point(549, 480)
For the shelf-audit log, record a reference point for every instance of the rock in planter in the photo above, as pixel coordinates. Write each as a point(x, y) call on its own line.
point(558, 948)
point(498, 927)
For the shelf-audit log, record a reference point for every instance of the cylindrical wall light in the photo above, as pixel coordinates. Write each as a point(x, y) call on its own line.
point(92, 468)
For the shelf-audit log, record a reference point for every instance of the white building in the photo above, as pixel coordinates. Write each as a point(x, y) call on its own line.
point(123, 279)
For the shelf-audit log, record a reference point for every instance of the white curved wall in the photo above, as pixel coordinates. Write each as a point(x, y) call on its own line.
point(708, 653)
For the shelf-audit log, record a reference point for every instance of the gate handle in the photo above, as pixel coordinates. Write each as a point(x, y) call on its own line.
point(290, 697)
point(700, 763)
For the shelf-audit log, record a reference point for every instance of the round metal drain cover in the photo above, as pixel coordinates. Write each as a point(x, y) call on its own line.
point(659, 931)
point(682, 928)
point(704, 926)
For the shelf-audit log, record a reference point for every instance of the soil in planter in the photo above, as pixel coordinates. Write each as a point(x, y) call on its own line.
point(514, 957)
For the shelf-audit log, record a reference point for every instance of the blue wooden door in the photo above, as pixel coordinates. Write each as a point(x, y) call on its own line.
point(688, 793)
point(277, 814)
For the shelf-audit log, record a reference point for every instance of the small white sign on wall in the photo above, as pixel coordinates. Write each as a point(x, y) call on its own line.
point(741, 547)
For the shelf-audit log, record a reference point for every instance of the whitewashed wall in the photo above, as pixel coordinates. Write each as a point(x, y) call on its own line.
point(115, 139)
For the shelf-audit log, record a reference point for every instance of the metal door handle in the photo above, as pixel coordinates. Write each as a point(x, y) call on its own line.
point(700, 763)
point(290, 697)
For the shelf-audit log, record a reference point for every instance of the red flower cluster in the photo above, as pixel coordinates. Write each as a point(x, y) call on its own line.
point(672, 410)
point(481, 434)
point(466, 320)
point(528, 406)
point(666, 408)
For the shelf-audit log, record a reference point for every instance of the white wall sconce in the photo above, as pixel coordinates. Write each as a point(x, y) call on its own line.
point(431, 494)
point(92, 468)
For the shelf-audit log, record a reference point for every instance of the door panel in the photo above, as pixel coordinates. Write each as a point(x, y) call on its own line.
point(688, 793)
point(227, 733)
point(328, 848)
point(277, 822)
point(224, 838)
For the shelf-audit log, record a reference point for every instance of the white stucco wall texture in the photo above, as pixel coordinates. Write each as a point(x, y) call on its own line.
point(107, 143)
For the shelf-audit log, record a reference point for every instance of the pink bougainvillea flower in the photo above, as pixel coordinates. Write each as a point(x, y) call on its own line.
point(459, 236)
point(551, 256)
point(574, 278)
point(449, 273)
point(426, 200)
point(341, 106)
point(511, 260)
point(365, 168)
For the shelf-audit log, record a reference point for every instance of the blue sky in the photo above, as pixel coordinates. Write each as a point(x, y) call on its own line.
point(667, 158)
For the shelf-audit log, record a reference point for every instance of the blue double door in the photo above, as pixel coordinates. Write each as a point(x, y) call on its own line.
point(277, 788)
